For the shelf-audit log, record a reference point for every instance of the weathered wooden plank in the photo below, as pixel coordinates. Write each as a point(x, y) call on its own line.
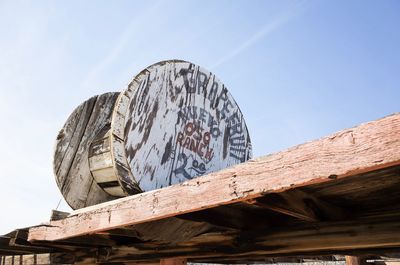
point(174, 261)
point(354, 260)
point(68, 141)
point(300, 205)
point(10, 246)
point(33, 259)
point(58, 215)
point(368, 147)
point(317, 260)
point(171, 230)
point(19, 244)
point(312, 239)
point(238, 216)
point(375, 192)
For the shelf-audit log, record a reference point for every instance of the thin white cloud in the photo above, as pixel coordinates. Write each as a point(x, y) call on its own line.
point(266, 30)
point(135, 26)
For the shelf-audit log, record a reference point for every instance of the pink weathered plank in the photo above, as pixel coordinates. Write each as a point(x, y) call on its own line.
point(368, 147)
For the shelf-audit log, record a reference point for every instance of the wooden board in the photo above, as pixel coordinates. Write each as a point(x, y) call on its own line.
point(176, 121)
point(297, 240)
point(71, 163)
point(354, 236)
point(335, 196)
point(33, 259)
point(368, 147)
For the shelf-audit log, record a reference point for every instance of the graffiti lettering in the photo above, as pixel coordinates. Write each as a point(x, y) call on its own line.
point(195, 168)
point(194, 82)
point(237, 141)
point(213, 93)
point(192, 113)
point(194, 139)
point(226, 103)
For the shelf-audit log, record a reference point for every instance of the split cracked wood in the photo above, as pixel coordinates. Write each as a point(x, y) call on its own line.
point(300, 205)
point(303, 239)
point(370, 146)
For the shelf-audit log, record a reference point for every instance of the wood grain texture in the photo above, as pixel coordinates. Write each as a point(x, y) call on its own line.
point(368, 147)
point(177, 121)
point(300, 205)
point(175, 261)
point(120, 163)
point(33, 259)
point(344, 237)
point(58, 215)
point(354, 260)
point(71, 163)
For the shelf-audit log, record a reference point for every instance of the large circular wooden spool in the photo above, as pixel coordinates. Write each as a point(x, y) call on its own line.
point(71, 157)
point(174, 122)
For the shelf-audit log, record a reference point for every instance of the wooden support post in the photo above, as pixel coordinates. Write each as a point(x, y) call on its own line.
point(174, 261)
point(355, 260)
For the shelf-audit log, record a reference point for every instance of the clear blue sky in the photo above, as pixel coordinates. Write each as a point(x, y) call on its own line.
point(298, 69)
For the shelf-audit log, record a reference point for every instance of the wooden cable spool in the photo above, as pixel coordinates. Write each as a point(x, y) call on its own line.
point(174, 122)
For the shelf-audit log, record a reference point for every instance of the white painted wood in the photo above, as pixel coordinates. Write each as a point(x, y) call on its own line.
point(179, 121)
point(100, 161)
point(104, 175)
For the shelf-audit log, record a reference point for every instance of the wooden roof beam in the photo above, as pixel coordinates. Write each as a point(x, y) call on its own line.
point(370, 146)
point(301, 205)
point(312, 239)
